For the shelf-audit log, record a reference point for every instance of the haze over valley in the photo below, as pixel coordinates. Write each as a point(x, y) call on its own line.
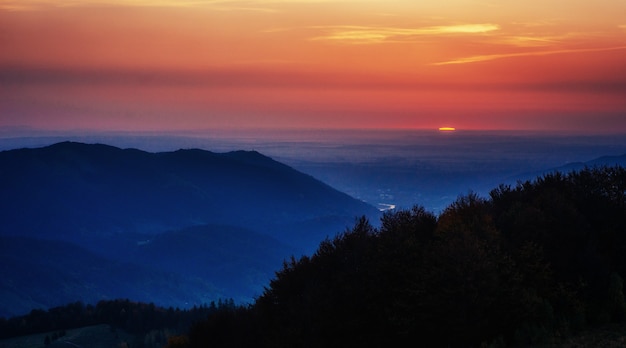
point(385, 168)
point(178, 228)
point(220, 223)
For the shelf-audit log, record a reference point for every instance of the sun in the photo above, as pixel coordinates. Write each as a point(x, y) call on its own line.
point(447, 129)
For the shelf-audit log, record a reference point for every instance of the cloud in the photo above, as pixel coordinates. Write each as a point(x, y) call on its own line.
point(536, 40)
point(245, 5)
point(276, 76)
point(34, 5)
point(529, 41)
point(487, 57)
point(370, 35)
point(217, 5)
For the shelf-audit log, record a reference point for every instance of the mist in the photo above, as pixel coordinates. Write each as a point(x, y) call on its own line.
point(385, 168)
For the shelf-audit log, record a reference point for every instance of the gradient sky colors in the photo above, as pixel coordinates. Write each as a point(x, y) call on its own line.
point(179, 65)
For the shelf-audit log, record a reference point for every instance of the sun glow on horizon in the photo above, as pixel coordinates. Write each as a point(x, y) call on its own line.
point(119, 64)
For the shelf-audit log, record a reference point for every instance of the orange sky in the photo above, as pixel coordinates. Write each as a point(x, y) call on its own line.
point(167, 64)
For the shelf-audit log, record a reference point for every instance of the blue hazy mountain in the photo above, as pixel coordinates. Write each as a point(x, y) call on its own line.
point(607, 161)
point(181, 268)
point(78, 192)
point(43, 273)
point(382, 167)
point(603, 161)
point(90, 221)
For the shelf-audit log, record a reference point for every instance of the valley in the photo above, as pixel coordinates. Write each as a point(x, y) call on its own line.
point(76, 216)
point(186, 227)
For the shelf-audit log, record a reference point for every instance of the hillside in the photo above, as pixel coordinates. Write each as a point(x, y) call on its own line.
point(96, 336)
point(80, 191)
point(540, 264)
point(604, 161)
point(91, 221)
point(44, 273)
point(182, 268)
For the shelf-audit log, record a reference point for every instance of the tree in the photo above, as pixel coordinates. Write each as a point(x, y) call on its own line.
point(528, 266)
point(177, 342)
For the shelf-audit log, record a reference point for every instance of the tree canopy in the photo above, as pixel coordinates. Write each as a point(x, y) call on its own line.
point(532, 263)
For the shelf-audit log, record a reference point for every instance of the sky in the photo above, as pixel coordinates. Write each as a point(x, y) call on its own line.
point(159, 65)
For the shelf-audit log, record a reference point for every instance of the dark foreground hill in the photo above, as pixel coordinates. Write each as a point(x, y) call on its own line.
point(532, 265)
point(82, 221)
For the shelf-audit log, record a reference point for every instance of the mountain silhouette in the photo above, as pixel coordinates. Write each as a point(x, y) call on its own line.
point(77, 191)
point(216, 224)
point(604, 161)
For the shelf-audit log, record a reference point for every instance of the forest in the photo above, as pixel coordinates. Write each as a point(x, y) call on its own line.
point(531, 264)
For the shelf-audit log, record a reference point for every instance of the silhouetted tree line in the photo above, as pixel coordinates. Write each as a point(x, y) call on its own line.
point(531, 264)
point(131, 317)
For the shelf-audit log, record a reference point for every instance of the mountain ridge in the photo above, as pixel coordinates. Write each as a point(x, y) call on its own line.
point(602, 161)
point(72, 175)
point(215, 224)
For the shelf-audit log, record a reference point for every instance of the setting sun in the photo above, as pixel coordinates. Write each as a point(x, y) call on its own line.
point(207, 64)
point(447, 129)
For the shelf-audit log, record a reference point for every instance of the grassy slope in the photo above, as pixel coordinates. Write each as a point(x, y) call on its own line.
point(98, 336)
point(101, 336)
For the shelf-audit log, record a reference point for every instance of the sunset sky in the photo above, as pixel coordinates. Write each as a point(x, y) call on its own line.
point(212, 64)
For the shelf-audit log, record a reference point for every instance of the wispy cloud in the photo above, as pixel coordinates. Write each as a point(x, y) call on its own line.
point(369, 34)
point(529, 41)
point(537, 39)
point(16, 5)
point(245, 5)
point(547, 22)
point(32, 5)
point(216, 5)
point(487, 57)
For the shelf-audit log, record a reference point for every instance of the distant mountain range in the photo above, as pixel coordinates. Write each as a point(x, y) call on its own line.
point(608, 161)
point(91, 221)
point(598, 162)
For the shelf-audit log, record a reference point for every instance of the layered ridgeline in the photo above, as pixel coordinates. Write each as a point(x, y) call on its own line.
point(538, 264)
point(604, 161)
point(90, 222)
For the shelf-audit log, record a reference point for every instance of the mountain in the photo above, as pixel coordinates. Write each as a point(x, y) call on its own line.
point(45, 273)
point(193, 266)
point(604, 161)
point(92, 221)
point(77, 191)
